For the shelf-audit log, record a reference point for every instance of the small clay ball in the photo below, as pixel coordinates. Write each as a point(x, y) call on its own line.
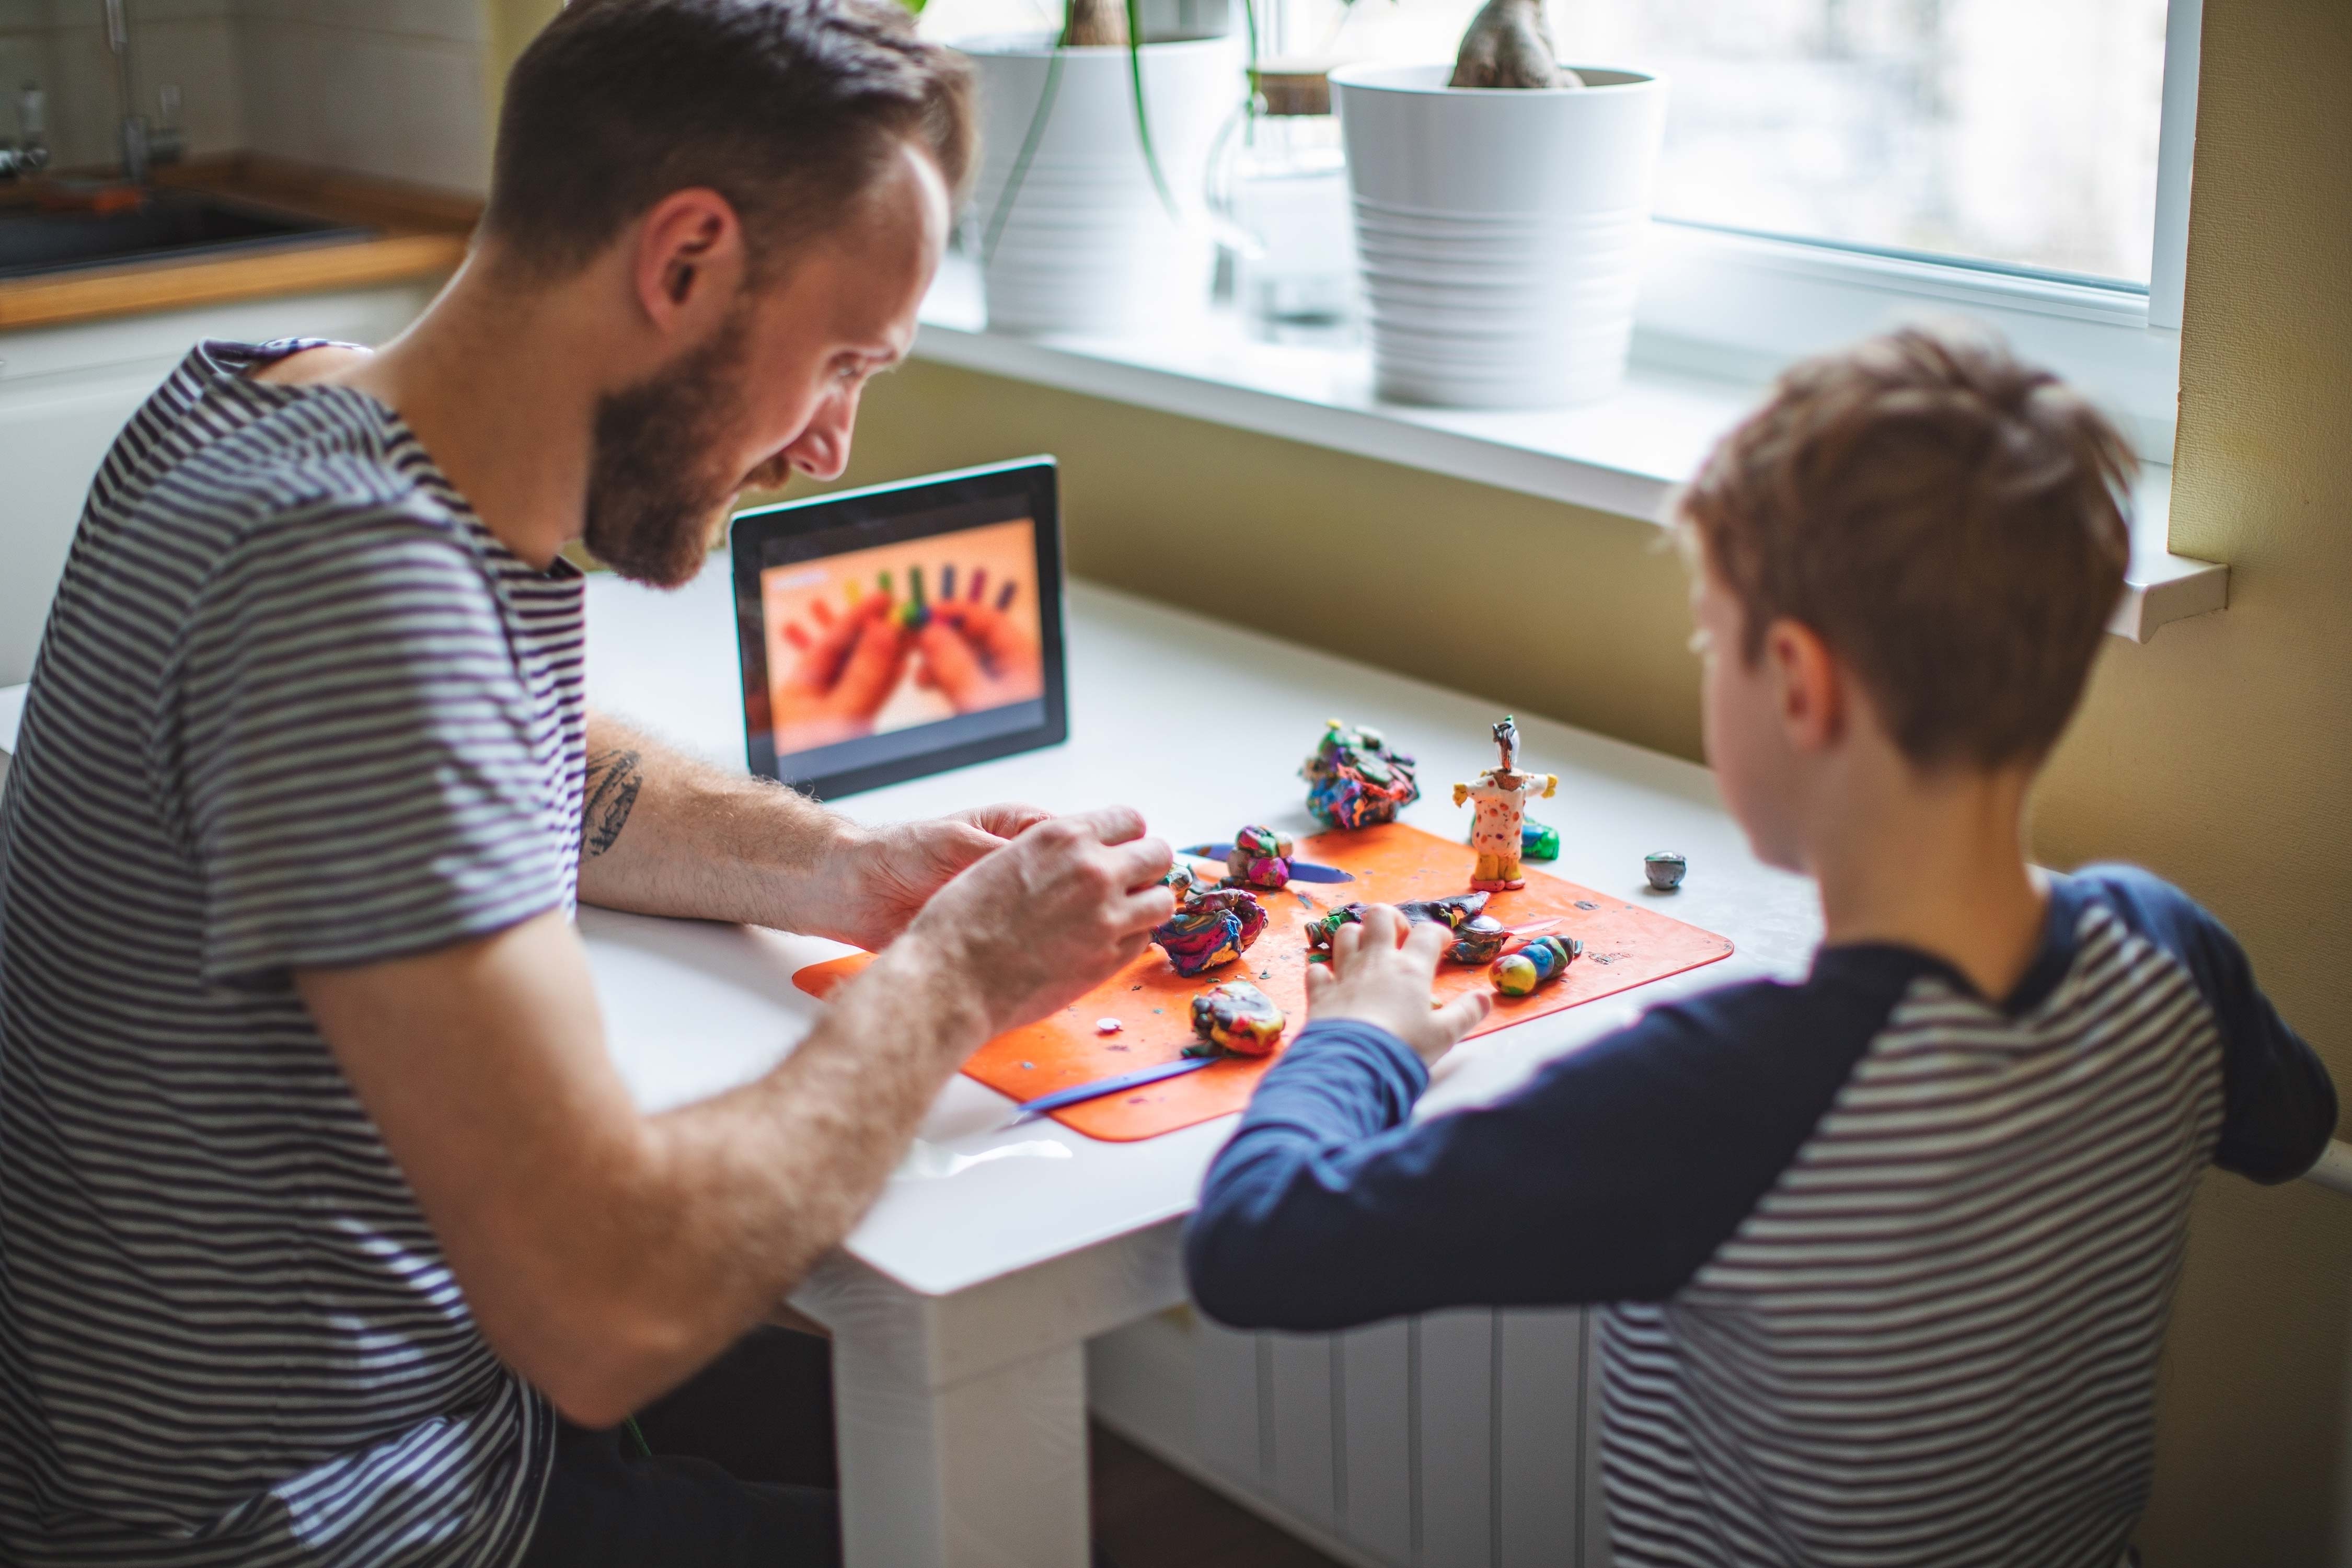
point(1664, 870)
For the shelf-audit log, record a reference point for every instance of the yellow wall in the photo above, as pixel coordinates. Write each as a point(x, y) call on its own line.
point(511, 25)
point(2220, 755)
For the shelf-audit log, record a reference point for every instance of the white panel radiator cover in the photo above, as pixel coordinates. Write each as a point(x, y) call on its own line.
point(1463, 1439)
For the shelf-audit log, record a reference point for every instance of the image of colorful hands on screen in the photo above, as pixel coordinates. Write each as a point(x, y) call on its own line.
point(882, 639)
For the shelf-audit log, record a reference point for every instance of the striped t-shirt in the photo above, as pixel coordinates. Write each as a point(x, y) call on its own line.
point(1887, 1263)
point(294, 707)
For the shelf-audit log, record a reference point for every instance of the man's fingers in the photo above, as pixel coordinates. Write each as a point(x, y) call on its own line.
point(1142, 861)
point(1108, 824)
point(996, 634)
point(1318, 981)
point(820, 668)
point(1006, 819)
point(1345, 943)
point(1150, 907)
point(953, 668)
point(872, 672)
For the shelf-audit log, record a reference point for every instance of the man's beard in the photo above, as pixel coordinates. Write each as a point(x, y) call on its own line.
point(656, 487)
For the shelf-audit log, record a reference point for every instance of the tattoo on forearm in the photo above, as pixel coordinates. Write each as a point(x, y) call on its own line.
point(613, 779)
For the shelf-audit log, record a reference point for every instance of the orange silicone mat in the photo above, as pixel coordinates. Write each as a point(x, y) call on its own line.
point(1625, 945)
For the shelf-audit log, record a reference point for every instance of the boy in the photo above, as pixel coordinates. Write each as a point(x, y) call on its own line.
point(1887, 1254)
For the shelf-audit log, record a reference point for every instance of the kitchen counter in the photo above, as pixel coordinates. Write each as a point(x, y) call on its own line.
point(420, 235)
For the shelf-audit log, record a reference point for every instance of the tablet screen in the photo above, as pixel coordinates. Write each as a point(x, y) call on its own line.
point(915, 634)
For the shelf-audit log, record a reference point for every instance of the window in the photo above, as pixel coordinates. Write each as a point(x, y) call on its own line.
point(1831, 166)
point(2021, 133)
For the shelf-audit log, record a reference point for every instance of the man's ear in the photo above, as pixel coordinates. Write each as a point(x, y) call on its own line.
point(690, 258)
point(1809, 686)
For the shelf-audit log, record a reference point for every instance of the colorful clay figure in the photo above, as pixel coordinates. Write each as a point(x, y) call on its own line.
point(1545, 959)
point(1538, 840)
point(1211, 925)
point(1664, 870)
point(1354, 779)
point(1501, 795)
point(1260, 858)
point(1238, 1016)
point(1477, 937)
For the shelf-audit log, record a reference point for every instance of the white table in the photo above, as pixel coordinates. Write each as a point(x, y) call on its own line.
point(960, 1305)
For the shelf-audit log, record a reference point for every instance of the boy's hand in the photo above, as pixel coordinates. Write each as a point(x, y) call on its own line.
point(1380, 973)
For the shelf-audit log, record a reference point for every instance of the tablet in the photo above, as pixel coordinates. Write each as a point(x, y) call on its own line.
point(901, 630)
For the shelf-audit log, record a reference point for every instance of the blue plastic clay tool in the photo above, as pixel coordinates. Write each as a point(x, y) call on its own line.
point(1300, 871)
point(1080, 1093)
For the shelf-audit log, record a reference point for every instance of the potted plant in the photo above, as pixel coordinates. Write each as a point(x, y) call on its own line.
point(1094, 142)
point(1500, 209)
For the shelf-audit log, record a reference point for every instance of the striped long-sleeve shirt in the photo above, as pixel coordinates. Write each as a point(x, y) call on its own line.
point(294, 707)
point(1886, 1263)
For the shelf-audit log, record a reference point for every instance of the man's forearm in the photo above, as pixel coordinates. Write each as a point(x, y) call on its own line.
point(663, 833)
point(760, 1183)
point(742, 1195)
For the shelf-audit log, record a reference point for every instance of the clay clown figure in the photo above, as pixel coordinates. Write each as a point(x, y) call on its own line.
point(1501, 795)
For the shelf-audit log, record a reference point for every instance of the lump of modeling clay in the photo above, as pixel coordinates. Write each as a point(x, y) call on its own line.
point(1354, 779)
point(1238, 1016)
point(1538, 840)
point(1477, 937)
point(1544, 959)
point(1260, 858)
point(1499, 818)
point(1664, 870)
point(1211, 925)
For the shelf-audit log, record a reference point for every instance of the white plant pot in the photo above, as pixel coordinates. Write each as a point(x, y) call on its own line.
point(1499, 231)
point(1086, 245)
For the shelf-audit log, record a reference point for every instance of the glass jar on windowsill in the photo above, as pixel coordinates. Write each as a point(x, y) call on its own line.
point(1278, 188)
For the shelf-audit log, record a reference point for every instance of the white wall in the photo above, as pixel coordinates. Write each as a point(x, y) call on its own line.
point(61, 44)
point(389, 88)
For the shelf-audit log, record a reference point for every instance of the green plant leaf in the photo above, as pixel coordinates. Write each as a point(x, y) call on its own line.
point(1142, 116)
point(1020, 171)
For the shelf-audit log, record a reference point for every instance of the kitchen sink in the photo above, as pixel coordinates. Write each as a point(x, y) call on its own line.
point(169, 225)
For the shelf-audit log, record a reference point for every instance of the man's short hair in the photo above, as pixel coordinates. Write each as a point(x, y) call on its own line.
point(789, 109)
point(1947, 519)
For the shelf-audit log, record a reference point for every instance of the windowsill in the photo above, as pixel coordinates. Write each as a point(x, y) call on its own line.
point(1622, 456)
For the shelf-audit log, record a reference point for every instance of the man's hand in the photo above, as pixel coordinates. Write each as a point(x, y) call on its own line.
point(1380, 973)
point(872, 881)
point(606, 1253)
point(835, 690)
point(1037, 924)
point(976, 657)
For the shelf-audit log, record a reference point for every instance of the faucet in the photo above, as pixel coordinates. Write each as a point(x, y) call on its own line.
point(31, 154)
point(143, 145)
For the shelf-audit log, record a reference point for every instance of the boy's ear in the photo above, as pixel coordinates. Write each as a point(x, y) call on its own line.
point(1809, 686)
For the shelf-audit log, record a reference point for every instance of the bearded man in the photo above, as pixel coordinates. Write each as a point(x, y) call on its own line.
point(328, 1233)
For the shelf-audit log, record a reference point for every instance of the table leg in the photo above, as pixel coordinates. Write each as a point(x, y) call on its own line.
point(988, 1472)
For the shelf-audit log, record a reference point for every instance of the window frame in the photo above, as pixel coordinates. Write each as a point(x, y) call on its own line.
point(1739, 306)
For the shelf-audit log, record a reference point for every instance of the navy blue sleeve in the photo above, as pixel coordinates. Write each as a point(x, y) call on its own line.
point(2280, 1104)
point(1613, 1175)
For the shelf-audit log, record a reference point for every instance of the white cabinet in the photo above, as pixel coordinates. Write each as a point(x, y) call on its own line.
point(66, 391)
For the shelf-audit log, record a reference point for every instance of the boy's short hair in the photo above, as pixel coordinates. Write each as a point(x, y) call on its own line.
point(787, 108)
point(1947, 519)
